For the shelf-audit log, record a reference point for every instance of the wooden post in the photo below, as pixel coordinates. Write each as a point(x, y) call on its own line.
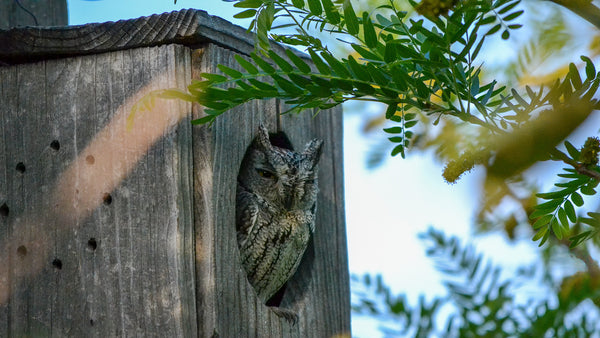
point(21, 13)
point(113, 224)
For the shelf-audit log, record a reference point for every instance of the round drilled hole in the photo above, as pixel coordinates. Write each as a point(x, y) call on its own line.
point(22, 251)
point(57, 263)
point(107, 199)
point(90, 159)
point(4, 210)
point(92, 244)
point(21, 167)
point(55, 145)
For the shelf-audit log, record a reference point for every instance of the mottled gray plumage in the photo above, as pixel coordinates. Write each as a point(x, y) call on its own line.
point(275, 211)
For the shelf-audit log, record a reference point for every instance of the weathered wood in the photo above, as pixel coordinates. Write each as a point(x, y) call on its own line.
point(319, 291)
point(41, 13)
point(187, 27)
point(123, 268)
point(129, 226)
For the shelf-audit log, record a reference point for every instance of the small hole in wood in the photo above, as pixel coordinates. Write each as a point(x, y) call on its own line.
point(22, 251)
point(4, 210)
point(107, 199)
point(92, 244)
point(57, 263)
point(21, 167)
point(91, 322)
point(55, 145)
point(90, 159)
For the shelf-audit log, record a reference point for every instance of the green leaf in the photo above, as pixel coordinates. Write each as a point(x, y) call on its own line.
point(410, 124)
point(350, 18)
point(573, 152)
point(214, 77)
point(365, 53)
point(574, 76)
point(540, 234)
point(337, 66)
point(576, 198)
point(508, 7)
point(494, 29)
point(570, 210)
point(553, 195)
point(231, 72)
point(544, 220)
point(541, 212)
point(587, 190)
point(359, 70)
point(315, 7)
point(249, 67)
point(262, 85)
point(369, 31)
point(287, 86)
point(300, 64)
point(205, 119)
point(389, 113)
point(301, 81)
point(562, 217)
point(319, 63)
point(245, 14)
point(264, 65)
point(393, 130)
point(556, 229)
point(590, 70)
point(248, 4)
point(298, 3)
point(487, 20)
point(399, 149)
point(281, 62)
point(513, 15)
point(331, 12)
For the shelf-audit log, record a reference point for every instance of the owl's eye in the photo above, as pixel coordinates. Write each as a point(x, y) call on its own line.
point(265, 173)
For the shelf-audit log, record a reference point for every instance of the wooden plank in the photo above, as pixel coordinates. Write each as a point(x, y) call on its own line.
point(115, 249)
point(187, 27)
point(43, 13)
point(325, 274)
point(227, 303)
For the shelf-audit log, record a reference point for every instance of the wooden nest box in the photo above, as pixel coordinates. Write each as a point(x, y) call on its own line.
point(114, 224)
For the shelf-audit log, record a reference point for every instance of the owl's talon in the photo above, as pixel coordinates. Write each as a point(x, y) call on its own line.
point(286, 314)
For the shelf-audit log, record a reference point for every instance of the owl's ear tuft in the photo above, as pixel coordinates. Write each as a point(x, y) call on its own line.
point(313, 151)
point(262, 139)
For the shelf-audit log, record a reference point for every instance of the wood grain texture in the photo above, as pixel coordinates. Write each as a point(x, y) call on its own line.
point(156, 253)
point(186, 27)
point(124, 267)
point(47, 13)
point(319, 291)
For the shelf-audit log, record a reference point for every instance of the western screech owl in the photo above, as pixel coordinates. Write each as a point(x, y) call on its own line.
point(275, 210)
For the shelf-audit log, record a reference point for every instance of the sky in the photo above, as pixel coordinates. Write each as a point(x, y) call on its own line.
point(386, 207)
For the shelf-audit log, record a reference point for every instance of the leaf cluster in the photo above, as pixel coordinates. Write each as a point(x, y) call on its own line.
point(422, 68)
point(558, 215)
point(482, 302)
point(403, 62)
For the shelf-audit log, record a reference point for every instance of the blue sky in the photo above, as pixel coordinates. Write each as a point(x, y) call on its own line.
point(385, 208)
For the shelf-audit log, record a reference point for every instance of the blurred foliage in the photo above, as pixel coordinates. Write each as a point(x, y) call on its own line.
point(482, 303)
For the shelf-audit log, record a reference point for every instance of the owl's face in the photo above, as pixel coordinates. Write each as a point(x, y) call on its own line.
point(282, 177)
